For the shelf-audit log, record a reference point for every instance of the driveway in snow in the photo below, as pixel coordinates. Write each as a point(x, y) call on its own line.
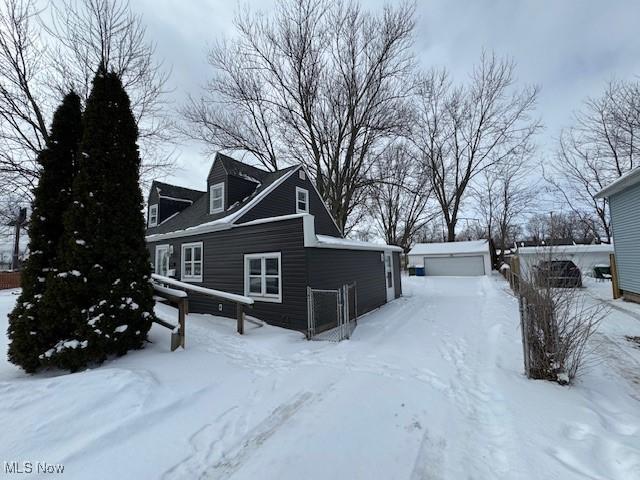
point(429, 387)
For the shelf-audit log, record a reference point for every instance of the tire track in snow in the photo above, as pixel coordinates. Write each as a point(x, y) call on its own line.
point(488, 437)
point(217, 449)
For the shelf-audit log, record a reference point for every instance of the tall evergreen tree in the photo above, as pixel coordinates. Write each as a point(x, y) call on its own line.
point(104, 293)
point(30, 329)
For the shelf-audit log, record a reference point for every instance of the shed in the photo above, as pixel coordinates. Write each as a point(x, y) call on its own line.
point(586, 257)
point(456, 259)
point(624, 206)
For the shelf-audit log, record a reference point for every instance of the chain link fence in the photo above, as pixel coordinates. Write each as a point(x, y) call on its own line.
point(332, 314)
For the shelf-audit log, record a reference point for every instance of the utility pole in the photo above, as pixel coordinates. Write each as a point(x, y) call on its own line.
point(19, 222)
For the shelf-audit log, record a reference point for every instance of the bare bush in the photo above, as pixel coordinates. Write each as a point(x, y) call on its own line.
point(557, 325)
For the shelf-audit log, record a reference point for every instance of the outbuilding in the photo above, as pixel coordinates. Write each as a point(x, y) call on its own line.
point(624, 205)
point(586, 257)
point(456, 259)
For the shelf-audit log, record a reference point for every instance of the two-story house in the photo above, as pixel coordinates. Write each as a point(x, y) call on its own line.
point(266, 235)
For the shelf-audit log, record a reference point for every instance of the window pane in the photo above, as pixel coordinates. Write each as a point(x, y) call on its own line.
point(272, 285)
point(217, 203)
point(255, 285)
point(187, 269)
point(255, 266)
point(187, 254)
point(302, 196)
point(197, 254)
point(197, 268)
point(271, 266)
point(302, 206)
point(217, 193)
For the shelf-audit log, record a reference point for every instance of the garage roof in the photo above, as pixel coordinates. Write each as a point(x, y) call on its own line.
point(450, 248)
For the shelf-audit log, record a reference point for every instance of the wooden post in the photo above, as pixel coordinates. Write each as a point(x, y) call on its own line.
point(240, 317)
point(524, 327)
point(182, 311)
point(614, 276)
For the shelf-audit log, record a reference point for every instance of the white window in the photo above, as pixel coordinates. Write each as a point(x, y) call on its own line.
point(216, 198)
point(302, 200)
point(153, 215)
point(302, 175)
point(191, 270)
point(263, 276)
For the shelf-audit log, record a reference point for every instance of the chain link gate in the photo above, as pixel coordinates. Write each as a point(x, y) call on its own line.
point(332, 314)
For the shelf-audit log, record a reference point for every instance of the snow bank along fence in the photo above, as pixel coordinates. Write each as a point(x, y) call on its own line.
point(162, 286)
point(332, 314)
point(9, 280)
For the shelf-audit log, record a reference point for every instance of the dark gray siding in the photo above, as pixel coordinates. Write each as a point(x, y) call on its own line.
point(282, 201)
point(239, 189)
point(223, 269)
point(397, 275)
point(167, 207)
point(217, 174)
point(330, 269)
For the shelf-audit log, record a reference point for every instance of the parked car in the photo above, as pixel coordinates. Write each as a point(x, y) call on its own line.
point(558, 274)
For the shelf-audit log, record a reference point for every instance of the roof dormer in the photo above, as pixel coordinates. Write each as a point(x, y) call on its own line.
point(230, 182)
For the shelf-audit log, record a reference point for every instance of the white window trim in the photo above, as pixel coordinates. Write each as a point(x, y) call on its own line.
point(153, 208)
point(306, 192)
point(211, 189)
point(191, 278)
point(263, 297)
point(158, 249)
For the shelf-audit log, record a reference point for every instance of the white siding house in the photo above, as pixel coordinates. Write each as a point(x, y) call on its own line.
point(456, 259)
point(624, 205)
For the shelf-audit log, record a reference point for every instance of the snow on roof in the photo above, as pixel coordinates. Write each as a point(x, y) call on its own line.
point(600, 248)
point(345, 243)
point(224, 222)
point(448, 248)
point(627, 180)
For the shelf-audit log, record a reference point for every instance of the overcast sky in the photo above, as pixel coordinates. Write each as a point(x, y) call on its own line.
point(569, 48)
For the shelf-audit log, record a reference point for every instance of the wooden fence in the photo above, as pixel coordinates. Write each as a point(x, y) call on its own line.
point(9, 280)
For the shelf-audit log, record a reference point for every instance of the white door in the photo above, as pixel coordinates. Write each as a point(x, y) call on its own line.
point(454, 266)
point(388, 273)
point(162, 260)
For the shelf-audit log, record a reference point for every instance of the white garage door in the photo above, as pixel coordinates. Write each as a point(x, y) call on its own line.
point(454, 266)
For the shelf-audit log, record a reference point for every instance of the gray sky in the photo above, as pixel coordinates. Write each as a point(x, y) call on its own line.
point(569, 48)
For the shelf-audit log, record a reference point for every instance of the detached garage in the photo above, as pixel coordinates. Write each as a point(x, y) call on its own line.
point(454, 259)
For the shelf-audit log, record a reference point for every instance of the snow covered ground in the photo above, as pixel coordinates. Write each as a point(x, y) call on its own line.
point(430, 386)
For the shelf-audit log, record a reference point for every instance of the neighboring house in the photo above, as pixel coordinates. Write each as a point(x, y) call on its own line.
point(267, 235)
point(459, 259)
point(624, 206)
point(586, 257)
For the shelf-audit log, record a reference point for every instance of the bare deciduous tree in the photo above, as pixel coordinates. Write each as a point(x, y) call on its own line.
point(462, 131)
point(44, 53)
point(400, 195)
point(600, 147)
point(503, 195)
point(318, 82)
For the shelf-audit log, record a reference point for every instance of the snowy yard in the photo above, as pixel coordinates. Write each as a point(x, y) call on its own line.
point(430, 386)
